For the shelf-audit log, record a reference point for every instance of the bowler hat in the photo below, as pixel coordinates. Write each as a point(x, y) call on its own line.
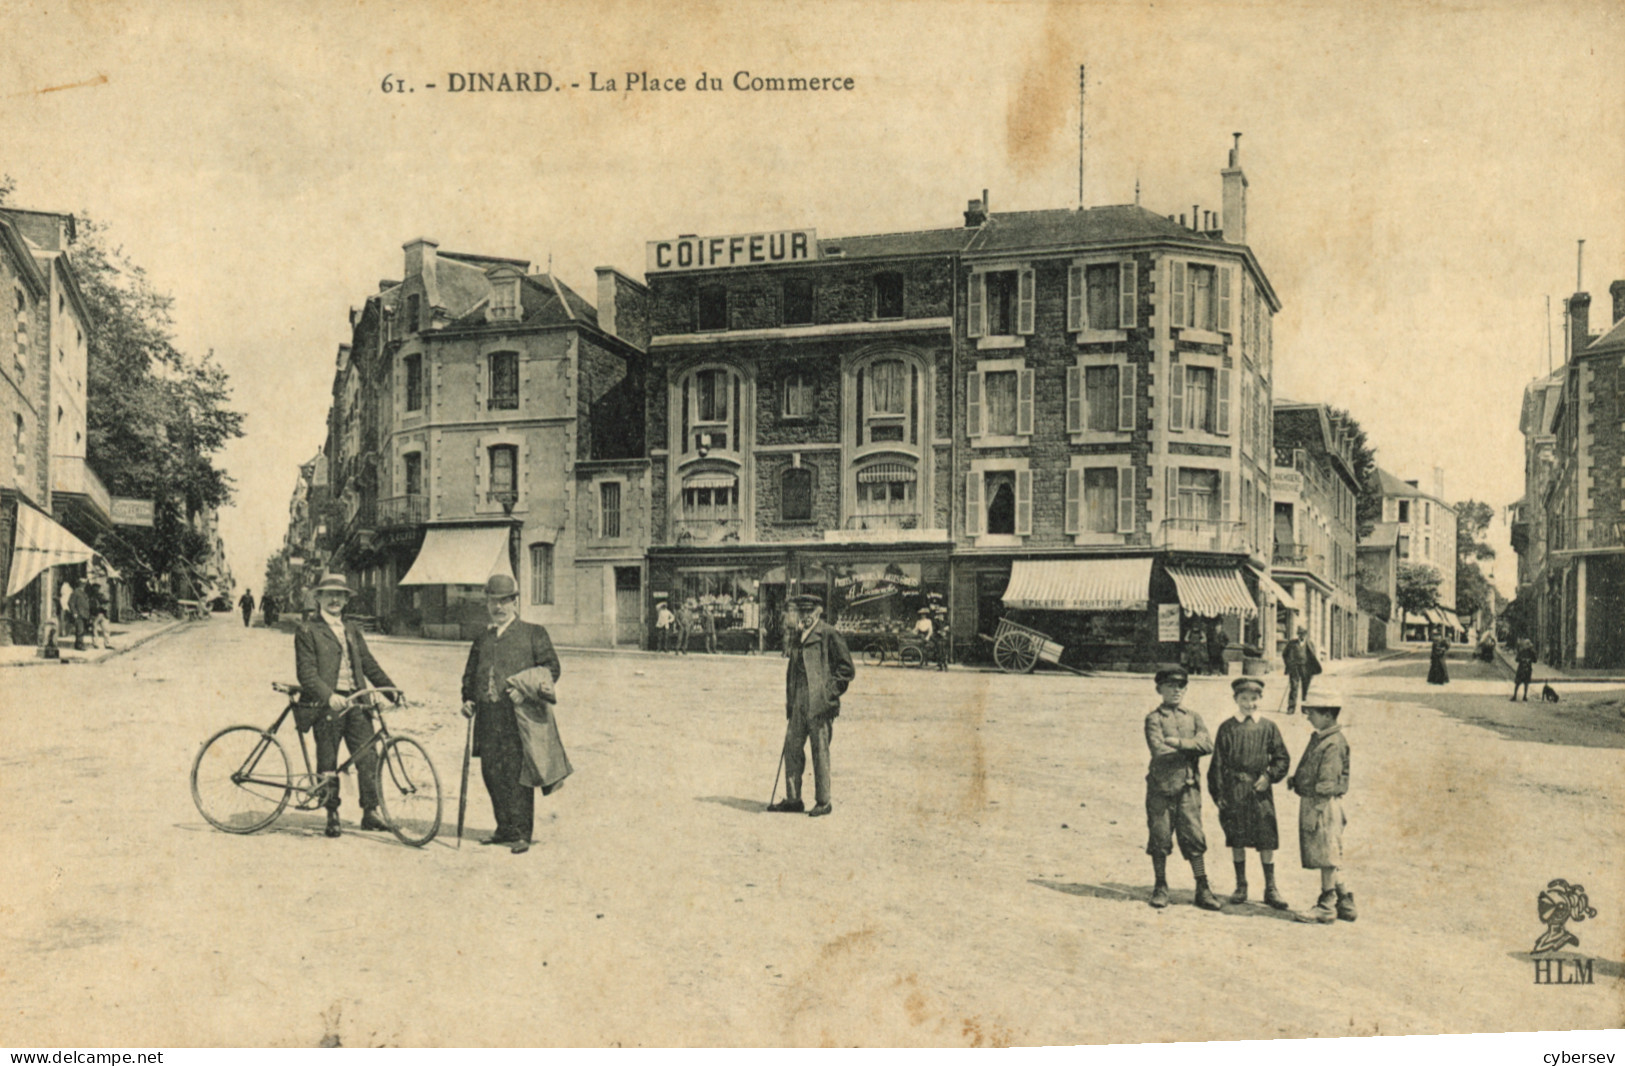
point(806, 601)
point(335, 583)
point(1172, 675)
point(500, 587)
point(1247, 682)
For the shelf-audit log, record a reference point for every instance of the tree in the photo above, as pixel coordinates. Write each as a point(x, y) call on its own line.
point(1416, 587)
point(1473, 591)
point(1368, 500)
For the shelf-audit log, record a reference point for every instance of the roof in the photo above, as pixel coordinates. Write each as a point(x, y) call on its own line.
point(546, 300)
point(1062, 227)
point(876, 245)
point(1394, 486)
point(1382, 535)
point(1613, 340)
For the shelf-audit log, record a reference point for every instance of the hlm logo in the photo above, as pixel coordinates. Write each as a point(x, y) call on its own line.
point(1562, 971)
point(1559, 904)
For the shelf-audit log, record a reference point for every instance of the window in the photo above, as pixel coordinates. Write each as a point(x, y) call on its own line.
point(999, 502)
point(1427, 547)
point(504, 470)
point(1427, 513)
point(541, 573)
point(711, 498)
point(1404, 546)
point(889, 295)
point(1100, 398)
point(711, 308)
point(1201, 296)
point(1001, 303)
point(798, 396)
point(796, 494)
point(414, 473)
point(19, 443)
point(22, 331)
point(413, 305)
point(999, 401)
point(712, 392)
point(609, 509)
point(1200, 399)
point(1100, 499)
point(1101, 296)
point(886, 491)
point(1202, 293)
point(414, 382)
point(505, 300)
point(504, 381)
point(1199, 494)
point(1000, 398)
point(798, 302)
point(1404, 512)
point(887, 387)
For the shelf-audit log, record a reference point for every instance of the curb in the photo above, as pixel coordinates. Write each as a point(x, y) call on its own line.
point(114, 654)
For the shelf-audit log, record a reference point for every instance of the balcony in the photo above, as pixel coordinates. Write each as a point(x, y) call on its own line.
point(883, 521)
point(1586, 535)
point(1201, 535)
point(398, 511)
point(689, 532)
point(72, 476)
point(1297, 557)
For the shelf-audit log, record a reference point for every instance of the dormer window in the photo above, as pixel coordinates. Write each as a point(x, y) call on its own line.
point(505, 300)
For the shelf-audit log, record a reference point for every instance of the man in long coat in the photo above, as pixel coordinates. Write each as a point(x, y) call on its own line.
point(1296, 657)
point(333, 661)
point(508, 647)
point(820, 668)
point(247, 604)
point(1249, 758)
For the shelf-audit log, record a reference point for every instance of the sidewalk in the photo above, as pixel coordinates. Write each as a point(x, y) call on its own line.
point(125, 636)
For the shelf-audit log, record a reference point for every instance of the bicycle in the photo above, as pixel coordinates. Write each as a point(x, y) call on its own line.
point(241, 781)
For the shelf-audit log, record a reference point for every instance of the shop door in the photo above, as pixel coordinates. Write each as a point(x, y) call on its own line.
point(628, 605)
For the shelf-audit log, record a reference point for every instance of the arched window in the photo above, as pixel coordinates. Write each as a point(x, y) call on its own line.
point(887, 402)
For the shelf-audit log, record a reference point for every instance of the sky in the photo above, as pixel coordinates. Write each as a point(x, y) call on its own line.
point(1419, 172)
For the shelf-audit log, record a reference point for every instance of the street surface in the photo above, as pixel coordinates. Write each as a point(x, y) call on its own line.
point(982, 880)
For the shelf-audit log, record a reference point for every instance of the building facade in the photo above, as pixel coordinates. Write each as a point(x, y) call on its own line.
point(25, 443)
point(1425, 535)
point(1314, 552)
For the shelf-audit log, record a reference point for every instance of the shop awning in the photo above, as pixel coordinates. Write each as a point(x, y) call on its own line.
point(1282, 595)
point(1431, 617)
point(41, 544)
point(1211, 591)
point(1079, 584)
point(885, 472)
point(711, 481)
point(460, 556)
point(1450, 618)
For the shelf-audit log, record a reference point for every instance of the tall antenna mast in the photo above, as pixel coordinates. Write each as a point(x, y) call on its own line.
point(1080, 135)
point(1579, 266)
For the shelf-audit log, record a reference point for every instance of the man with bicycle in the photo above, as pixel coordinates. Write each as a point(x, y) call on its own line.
point(333, 662)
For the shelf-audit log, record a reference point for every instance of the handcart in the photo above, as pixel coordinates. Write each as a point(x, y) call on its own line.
point(1017, 649)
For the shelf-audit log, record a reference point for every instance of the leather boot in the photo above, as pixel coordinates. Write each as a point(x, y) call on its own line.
point(1159, 895)
point(1324, 911)
point(333, 829)
point(1205, 898)
point(1345, 906)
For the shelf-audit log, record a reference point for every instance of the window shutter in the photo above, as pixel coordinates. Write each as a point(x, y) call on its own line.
point(1176, 270)
point(1074, 399)
point(1170, 508)
point(1224, 401)
point(1125, 499)
point(1129, 291)
point(973, 504)
point(1074, 298)
point(1024, 403)
point(1176, 397)
point(1024, 502)
point(1125, 398)
point(973, 404)
point(1224, 300)
point(977, 309)
point(1074, 498)
point(1224, 493)
point(1024, 301)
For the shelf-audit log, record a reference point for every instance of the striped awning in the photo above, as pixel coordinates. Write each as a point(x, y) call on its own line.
point(1079, 584)
point(1430, 617)
point(886, 472)
point(1282, 595)
point(711, 481)
point(455, 556)
point(1210, 591)
point(41, 544)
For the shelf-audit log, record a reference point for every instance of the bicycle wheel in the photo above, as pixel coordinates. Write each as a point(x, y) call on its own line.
point(912, 656)
point(409, 791)
point(240, 779)
point(874, 654)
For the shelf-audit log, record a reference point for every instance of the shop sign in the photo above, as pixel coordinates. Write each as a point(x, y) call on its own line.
point(1286, 481)
point(1168, 623)
point(128, 512)
point(733, 250)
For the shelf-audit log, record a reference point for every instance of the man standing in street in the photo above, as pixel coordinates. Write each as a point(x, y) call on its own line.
point(79, 614)
point(333, 662)
point(507, 647)
point(819, 671)
point(247, 604)
point(1301, 667)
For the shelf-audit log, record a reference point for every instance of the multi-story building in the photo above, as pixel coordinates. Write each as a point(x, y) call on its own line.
point(25, 443)
point(1062, 413)
point(1313, 555)
point(469, 396)
point(1425, 536)
point(1569, 530)
point(1377, 556)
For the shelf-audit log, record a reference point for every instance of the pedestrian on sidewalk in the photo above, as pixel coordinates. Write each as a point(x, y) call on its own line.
point(1527, 655)
point(1217, 641)
point(684, 625)
point(664, 620)
point(1249, 758)
point(333, 662)
point(79, 613)
point(1195, 649)
point(270, 608)
point(1173, 790)
point(1301, 667)
point(708, 627)
point(819, 671)
point(1321, 781)
point(98, 616)
point(508, 647)
point(247, 604)
point(1437, 673)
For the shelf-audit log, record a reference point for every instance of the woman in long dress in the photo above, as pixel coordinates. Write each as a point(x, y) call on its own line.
point(1437, 674)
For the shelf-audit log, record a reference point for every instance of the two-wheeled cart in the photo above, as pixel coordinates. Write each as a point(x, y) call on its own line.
point(1017, 649)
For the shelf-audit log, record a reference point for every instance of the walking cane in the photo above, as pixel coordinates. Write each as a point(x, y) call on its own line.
point(774, 794)
point(462, 793)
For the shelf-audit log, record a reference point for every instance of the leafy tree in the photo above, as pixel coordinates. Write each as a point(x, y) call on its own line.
point(1473, 591)
point(1416, 587)
point(1368, 500)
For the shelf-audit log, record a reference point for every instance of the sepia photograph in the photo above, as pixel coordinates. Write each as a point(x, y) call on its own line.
point(908, 523)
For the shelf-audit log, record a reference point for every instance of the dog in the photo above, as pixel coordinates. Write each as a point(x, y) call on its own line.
point(1548, 693)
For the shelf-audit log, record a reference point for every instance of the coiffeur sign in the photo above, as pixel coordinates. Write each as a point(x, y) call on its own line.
point(734, 250)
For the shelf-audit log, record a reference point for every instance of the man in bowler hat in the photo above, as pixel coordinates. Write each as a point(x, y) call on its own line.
point(507, 647)
point(820, 668)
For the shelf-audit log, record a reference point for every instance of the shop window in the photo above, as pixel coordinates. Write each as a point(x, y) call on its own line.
point(413, 464)
point(609, 509)
point(797, 302)
point(711, 308)
point(889, 295)
point(796, 494)
point(541, 574)
point(414, 382)
point(798, 396)
point(504, 471)
point(504, 381)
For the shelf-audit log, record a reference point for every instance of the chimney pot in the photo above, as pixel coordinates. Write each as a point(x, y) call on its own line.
point(1579, 323)
point(975, 213)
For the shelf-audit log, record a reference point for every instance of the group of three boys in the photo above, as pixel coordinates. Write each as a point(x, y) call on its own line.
point(1249, 759)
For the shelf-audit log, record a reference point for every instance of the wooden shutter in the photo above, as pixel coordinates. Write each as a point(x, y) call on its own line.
point(1225, 302)
point(1125, 499)
point(1224, 401)
point(1074, 498)
point(1125, 398)
point(1170, 509)
point(1024, 502)
point(1024, 403)
point(1074, 399)
point(1075, 302)
point(1224, 494)
point(973, 404)
point(1176, 271)
point(977, 308)
point(1025, 286)
point(1176, 396)
point(1128, 290)
point(973, 503)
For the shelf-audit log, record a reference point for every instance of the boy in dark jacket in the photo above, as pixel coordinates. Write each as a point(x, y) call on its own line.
point(1321, 781)
point(1249, 757)
point(1173, 791)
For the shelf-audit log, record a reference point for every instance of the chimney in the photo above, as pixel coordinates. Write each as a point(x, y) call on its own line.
point(623, 307)
point(1617, 291)
point(1438, 482)
point(1235, 197)
point(420, 256)
point(976, 212)
point(606, 299)
point(1579, 323)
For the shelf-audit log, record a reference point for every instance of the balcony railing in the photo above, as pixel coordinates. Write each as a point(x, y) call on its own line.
point(882, 521)
point(1586, 534)
point(403, 511)
point(72, 475)
point(363, 520)
point(1298, 557)
point(686, 531)
point(1201, 535)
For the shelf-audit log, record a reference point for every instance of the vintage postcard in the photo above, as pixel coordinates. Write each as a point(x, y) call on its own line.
point(932, 524)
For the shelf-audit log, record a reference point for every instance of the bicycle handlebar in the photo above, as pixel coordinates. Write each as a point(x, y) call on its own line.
point(355, 699)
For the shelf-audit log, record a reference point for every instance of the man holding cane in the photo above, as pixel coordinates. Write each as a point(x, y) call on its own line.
point(819, 671)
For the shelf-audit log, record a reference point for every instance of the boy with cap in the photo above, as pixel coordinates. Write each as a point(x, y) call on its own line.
point(1321, 781)
point(1173, 792)
point(1249, 757)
